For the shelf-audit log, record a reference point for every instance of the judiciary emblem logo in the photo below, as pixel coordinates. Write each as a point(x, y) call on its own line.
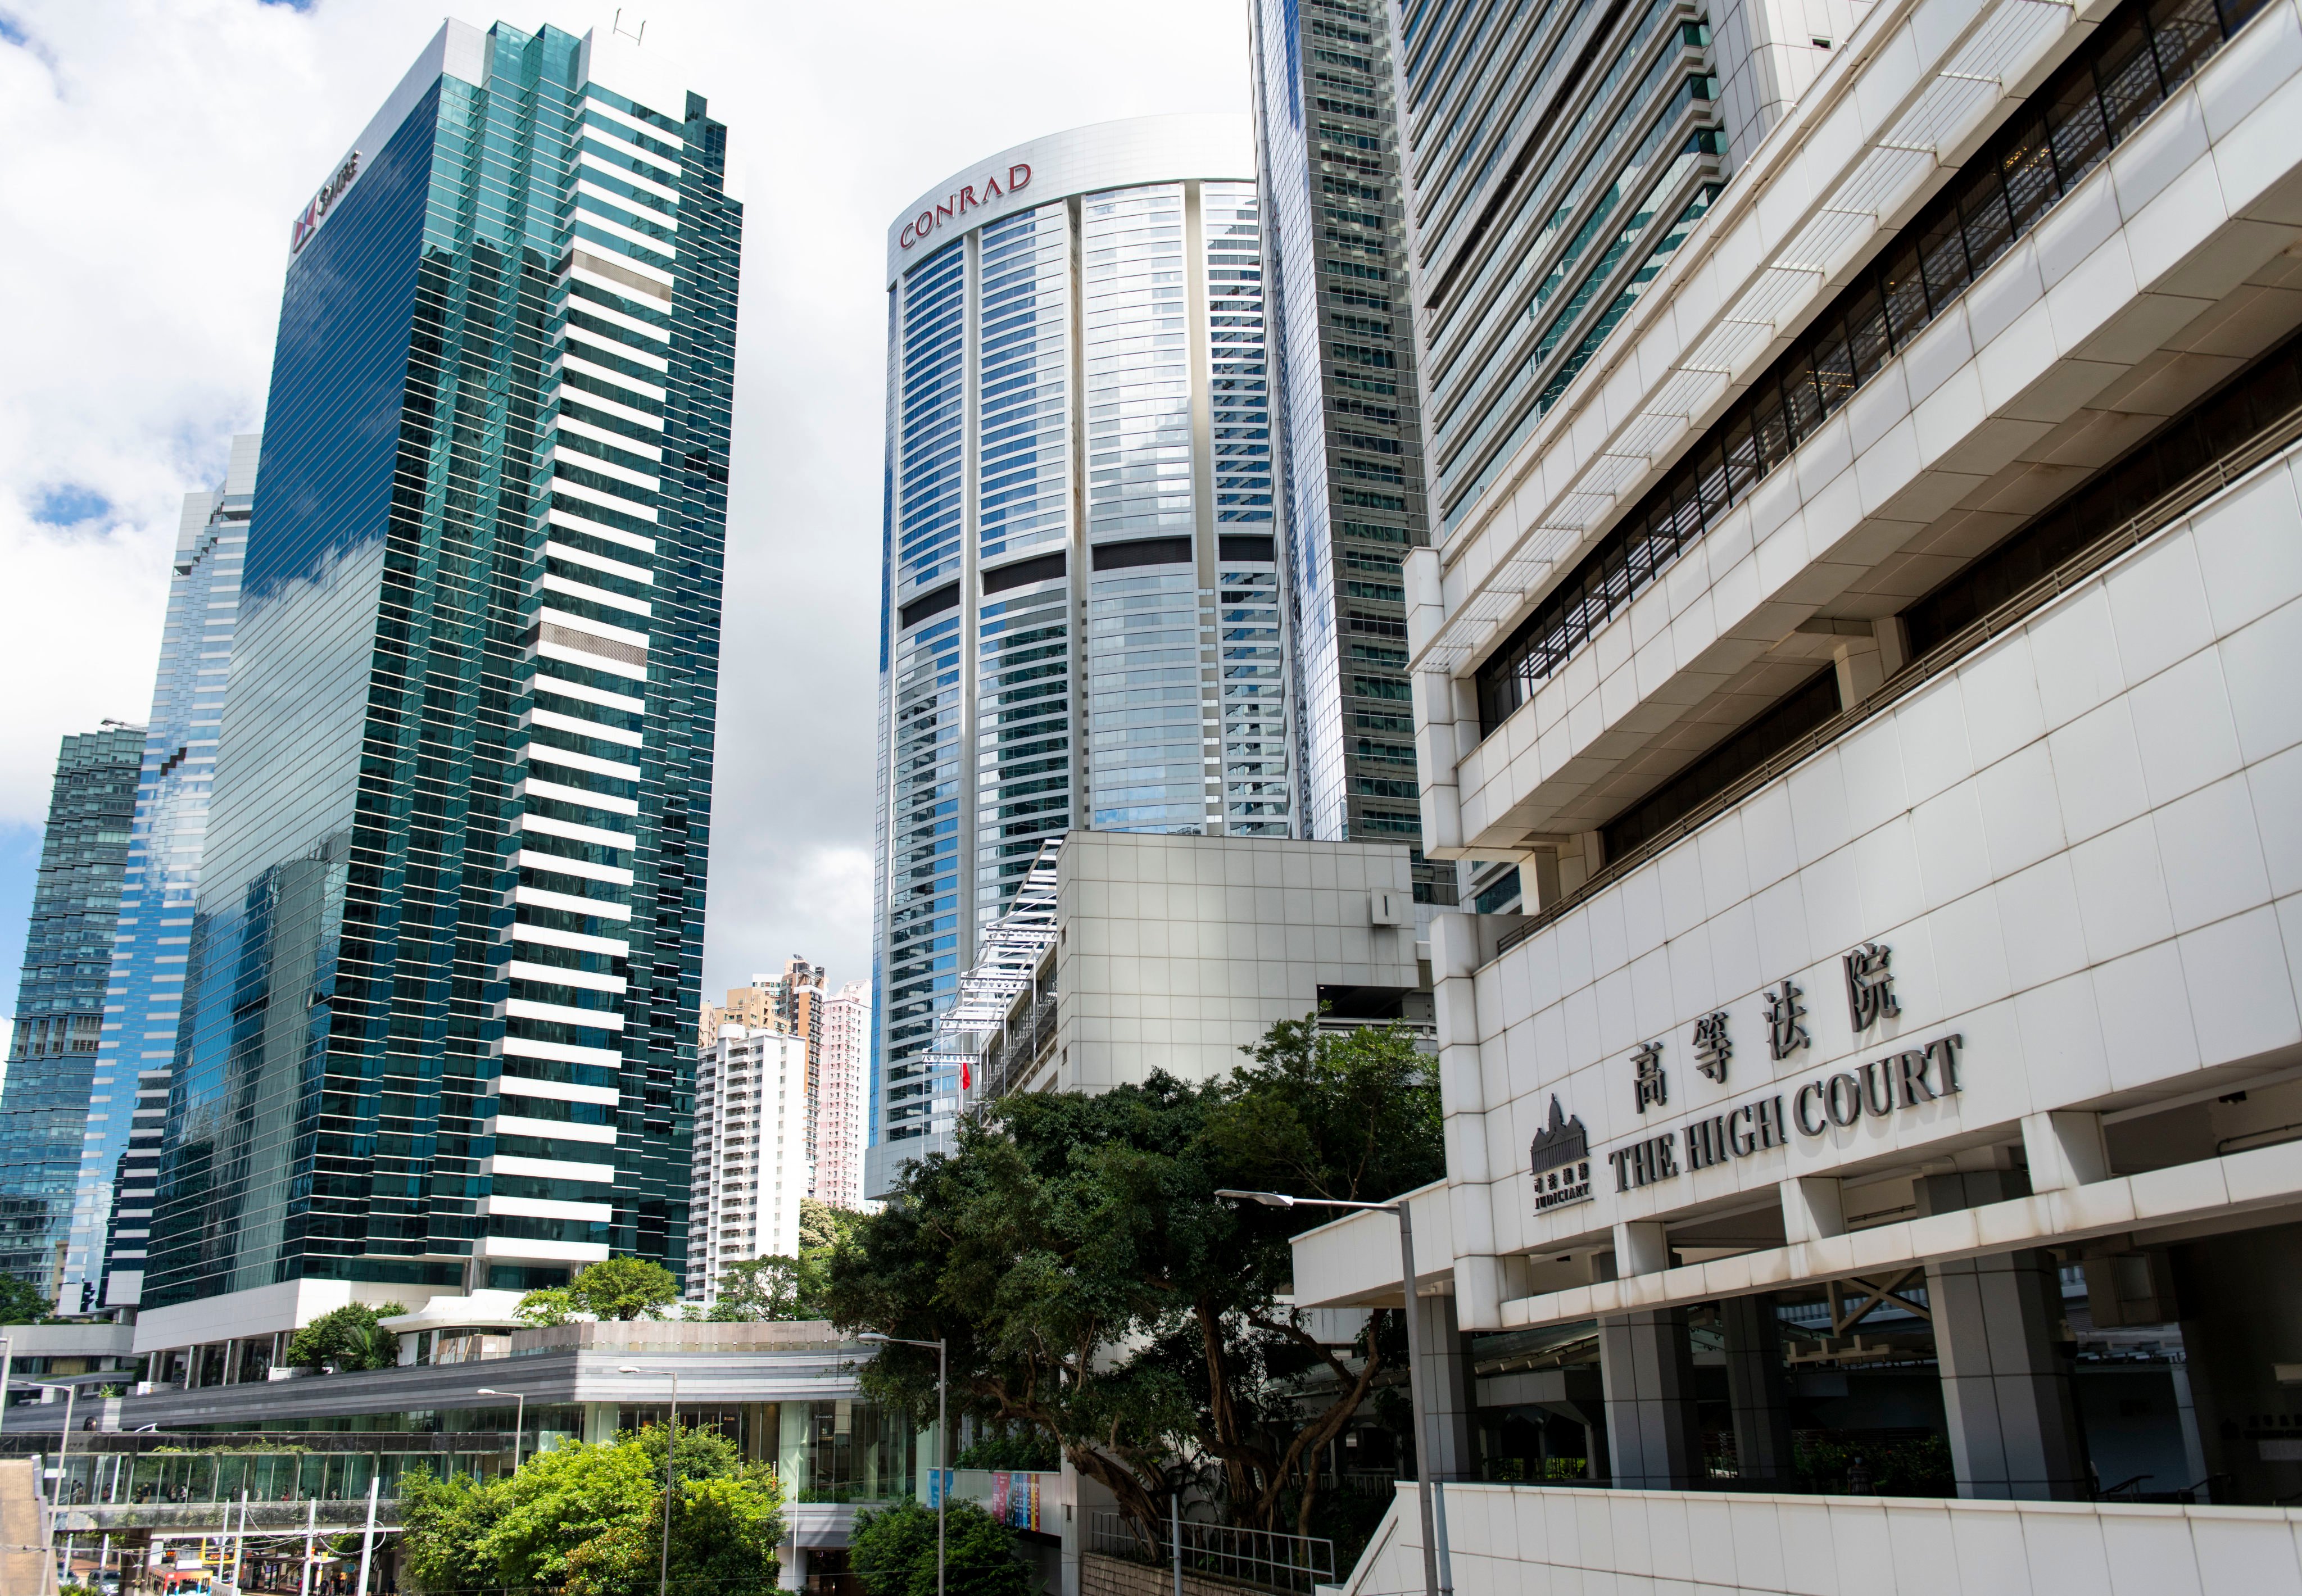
point(1560, 1159)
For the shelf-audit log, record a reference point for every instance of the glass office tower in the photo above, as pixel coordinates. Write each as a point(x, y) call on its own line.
point(1350, 460)
point(1542, 208)
point(1552, 161)
point(1081, 623)
point(438, 1024)
point(51, 1097)
point(118, 1158)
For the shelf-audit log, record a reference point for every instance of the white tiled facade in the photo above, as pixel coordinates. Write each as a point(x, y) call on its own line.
point(751, 1164)
point(2076, 843)
point(1174, 952)
point(2084, 849)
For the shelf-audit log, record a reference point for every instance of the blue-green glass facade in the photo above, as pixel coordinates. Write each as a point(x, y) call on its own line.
point(445, 969)
point(118, 1158)
point(60, 1003)
point(1348, 418)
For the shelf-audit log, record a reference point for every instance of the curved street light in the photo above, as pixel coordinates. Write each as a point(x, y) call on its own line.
point(942, 1432)
point(519, 1418)
point(670, 1444)
point(1434, 1552)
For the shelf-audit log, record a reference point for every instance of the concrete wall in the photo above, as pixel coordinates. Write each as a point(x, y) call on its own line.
point(1176, 950)
point(23, 1528)
point(1529, 1540)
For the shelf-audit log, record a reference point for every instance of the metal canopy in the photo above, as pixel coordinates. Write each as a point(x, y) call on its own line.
point(1005, 963)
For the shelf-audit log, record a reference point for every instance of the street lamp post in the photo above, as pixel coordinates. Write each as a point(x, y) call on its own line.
point(63, 1446)
point(1435, 1557)
point(519, 1414)
point(943, 1430)
point(670, 1445)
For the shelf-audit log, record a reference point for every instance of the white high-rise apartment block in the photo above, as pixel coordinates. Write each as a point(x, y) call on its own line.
point(751, 1164)
point(843, 1084)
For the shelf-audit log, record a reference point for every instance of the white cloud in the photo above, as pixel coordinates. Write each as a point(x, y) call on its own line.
point(151, 155)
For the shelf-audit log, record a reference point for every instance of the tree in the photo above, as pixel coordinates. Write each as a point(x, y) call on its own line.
point(624, 1288)
point(786, 1288)
point(21, 1303)
point(1093, 1289)
point(546, 1306)
point(892, 1551)
point(611, 1289)
point(587, 1520)
point(764, 1288)
point(347, 1339)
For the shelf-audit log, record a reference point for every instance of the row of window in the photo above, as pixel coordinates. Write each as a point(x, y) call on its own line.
point(2123, 71)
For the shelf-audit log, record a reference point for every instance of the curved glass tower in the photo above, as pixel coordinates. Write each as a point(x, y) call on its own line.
point(1081, 623)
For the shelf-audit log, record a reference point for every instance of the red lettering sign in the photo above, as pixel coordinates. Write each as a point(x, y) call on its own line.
point(958, 205)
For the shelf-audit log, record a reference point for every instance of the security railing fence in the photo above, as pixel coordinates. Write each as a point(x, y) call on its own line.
point(1262, 1559)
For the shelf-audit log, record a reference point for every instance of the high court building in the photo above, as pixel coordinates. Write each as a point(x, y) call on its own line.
point(1872, 1153)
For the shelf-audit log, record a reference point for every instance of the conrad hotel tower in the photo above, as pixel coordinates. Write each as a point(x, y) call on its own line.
point(1082, 625)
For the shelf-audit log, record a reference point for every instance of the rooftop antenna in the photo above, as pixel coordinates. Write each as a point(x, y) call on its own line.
point(618, 27)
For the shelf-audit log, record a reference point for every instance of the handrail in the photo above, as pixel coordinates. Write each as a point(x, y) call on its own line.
point(1267, 1559)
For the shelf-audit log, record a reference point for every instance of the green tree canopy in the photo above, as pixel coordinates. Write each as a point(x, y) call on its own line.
point(348, 1339)
point(893, 1552)
point(611, 1289)
point(587, 1520)
point(1095, 1288)
point(784, 1288)
point(21, 1303)
point(624, 1288)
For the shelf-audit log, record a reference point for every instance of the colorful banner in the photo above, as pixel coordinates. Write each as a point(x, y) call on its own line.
point(1015, 1500)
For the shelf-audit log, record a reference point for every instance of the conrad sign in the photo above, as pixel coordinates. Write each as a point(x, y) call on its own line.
point(966, 199)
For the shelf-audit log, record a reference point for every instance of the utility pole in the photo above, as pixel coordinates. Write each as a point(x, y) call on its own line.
point(368, 1536)
point(311, 1524)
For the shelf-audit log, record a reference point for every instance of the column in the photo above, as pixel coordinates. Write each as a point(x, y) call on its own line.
point(2006, 1391)
point(1647, 1371)
point(1447, 1391)
point(1759, 1391)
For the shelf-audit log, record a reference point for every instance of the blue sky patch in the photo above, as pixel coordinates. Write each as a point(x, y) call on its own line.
point(69, 505)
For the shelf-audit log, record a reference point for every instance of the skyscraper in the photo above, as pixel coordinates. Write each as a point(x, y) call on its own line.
point(111, 1211)
point(1350, 454)
point(842, 1107)
point(444, 970)
point(1081, 618)
point(49, 1098)
point(751, 1166)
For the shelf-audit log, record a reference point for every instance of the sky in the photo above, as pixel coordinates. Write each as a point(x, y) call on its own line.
point(151, 157)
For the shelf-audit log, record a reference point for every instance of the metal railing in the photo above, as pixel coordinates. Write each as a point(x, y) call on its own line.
point(1262, 1558)
point(2167, 510)
point(1013, 1051)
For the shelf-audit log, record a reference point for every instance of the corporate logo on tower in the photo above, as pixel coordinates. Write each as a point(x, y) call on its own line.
point(308, 220)
point(958, 205)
